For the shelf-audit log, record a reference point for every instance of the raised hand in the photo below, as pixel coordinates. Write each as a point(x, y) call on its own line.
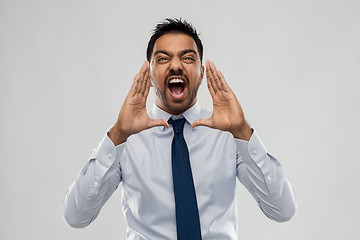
point(133, 117)
point(227, 113)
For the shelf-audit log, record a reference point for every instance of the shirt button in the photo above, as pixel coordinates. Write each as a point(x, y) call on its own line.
point(254, 151)
point(109, 155)
point(96, 184)
point(268, 178)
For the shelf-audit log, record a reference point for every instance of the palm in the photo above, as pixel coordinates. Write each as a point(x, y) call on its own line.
point(134, 110)
point(227, 112)
point(133, 117)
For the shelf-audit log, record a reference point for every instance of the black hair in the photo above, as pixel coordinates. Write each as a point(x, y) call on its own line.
point(173, 25)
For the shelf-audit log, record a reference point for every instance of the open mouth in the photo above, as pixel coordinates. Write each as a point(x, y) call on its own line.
point(176, 87)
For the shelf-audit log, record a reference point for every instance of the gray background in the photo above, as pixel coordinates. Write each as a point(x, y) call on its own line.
point(66, 67)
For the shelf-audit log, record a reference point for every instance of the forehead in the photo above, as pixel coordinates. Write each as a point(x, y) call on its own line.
point(175, 43)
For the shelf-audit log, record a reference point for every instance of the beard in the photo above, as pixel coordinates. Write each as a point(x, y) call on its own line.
point(182, 105)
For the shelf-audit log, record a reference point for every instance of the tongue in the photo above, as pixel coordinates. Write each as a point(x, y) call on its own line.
point(176, 89)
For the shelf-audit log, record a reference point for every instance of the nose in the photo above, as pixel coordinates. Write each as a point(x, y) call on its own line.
point(176, 65)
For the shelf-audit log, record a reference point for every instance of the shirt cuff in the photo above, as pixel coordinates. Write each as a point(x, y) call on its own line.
point(252, 151)
point(106, 151)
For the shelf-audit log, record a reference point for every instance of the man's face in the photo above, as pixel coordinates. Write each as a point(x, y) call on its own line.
point(176, 72)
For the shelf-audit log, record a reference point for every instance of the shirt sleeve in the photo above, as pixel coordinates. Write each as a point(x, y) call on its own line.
point(264, 178)
point(94, 184)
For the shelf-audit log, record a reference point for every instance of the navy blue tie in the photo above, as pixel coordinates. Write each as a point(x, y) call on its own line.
point(186, 209)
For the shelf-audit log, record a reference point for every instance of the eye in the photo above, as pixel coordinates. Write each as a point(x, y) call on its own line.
point(162, 59)
point(189, 59)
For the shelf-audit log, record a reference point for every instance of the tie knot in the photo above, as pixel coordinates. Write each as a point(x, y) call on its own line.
point(178, 124)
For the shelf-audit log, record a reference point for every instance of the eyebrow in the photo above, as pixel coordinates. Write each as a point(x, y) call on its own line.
point(181, 53)
point(161, 51)
point(188, 51)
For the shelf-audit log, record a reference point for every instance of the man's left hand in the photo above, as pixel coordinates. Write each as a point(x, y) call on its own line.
point(227, 113)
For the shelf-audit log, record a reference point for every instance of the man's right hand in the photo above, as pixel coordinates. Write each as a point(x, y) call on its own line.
point(133, 117)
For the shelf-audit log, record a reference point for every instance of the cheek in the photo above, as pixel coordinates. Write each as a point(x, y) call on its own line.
point(155, 71)
point(195, 77)
point(156, 80)
point(158, 75)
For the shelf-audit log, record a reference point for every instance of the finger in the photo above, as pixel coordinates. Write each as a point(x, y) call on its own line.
point(157, 122)
point(135, 85)
point(210, 87)
point(203, 122)
point(147, 89)
point(210, 79)
point(142, 74)
point(224, 84)
point(214, 73)
point(145, 82)
point(144, 67)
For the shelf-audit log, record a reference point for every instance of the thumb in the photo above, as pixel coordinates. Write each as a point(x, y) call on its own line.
point(202, 122)
point(158, 122)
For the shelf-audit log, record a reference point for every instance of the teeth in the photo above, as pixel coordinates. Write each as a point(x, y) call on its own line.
point(176, 80)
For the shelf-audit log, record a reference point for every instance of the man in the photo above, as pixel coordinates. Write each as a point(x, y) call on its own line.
point(179, 182)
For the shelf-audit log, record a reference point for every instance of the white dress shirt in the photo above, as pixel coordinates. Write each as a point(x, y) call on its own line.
point(143, 165)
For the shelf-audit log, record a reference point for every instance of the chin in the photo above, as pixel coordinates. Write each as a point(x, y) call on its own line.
point(173, 106)
point(178, 108)
point(177, 111)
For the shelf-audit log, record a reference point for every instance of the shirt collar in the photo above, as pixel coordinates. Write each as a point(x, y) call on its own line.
point(191, 114)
